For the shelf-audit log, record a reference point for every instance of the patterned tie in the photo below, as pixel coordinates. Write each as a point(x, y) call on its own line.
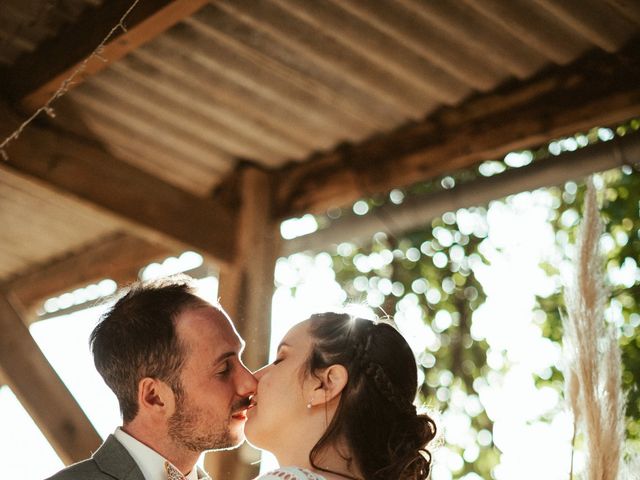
point(172, 472)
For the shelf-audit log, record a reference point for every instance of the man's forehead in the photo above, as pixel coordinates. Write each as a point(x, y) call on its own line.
point(206, 322)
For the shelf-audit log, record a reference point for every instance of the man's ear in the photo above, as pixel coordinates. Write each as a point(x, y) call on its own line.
point(155, 396)
point(332, 381)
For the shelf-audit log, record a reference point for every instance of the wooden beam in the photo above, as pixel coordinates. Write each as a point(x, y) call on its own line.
point(35, 76)
point(417, 210)
point(246, 285)
point(199, 272)
point(40, 390)
point(600, 89)
point(246, 289)
point(119, 258)
point(152, 208)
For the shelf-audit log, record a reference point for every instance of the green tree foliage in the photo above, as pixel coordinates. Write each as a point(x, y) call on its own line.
point(428, 274)
point(430, 271)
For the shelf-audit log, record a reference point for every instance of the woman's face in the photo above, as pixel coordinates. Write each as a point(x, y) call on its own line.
point(280, 399)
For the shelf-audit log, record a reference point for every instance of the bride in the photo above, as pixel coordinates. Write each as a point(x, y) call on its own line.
point(338, 403)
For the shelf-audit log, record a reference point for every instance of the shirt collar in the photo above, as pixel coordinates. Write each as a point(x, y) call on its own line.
point(150, 462)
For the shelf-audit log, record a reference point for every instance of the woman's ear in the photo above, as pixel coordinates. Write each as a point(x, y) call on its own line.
point(332, 381)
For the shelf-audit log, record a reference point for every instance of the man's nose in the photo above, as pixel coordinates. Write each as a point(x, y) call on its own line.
point(258, 373)
point(247, 383)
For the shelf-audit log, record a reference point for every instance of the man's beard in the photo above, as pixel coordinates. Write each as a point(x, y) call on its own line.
point(191, 428)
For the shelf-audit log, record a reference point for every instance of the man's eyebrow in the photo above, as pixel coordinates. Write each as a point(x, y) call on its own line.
point(224, 356)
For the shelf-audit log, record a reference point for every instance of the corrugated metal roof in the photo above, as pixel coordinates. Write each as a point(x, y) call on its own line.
point(274, 81)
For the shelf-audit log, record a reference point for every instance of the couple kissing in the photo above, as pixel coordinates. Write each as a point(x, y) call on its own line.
point(337, 402)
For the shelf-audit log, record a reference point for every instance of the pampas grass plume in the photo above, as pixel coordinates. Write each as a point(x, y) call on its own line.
point(592, 354)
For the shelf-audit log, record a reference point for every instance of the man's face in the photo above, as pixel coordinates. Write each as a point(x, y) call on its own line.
point(216, 387)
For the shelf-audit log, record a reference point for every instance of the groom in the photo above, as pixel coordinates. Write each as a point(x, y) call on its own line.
point(173, 361)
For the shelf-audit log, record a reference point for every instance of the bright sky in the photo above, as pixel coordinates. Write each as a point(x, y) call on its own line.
point(519, 238)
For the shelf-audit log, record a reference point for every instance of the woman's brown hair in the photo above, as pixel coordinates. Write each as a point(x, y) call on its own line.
point(376, 418)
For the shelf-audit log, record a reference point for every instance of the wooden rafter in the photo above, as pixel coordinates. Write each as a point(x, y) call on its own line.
point(119, 258)
point(246, 286)
point(597, 90)
point(152, 208)
point(418, 210)
point(246, 290)
point(35, 76)
point(41, 391)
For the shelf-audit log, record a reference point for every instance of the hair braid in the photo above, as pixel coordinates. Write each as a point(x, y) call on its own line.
point(387, 389)
point(376, 372)
point(382, 383)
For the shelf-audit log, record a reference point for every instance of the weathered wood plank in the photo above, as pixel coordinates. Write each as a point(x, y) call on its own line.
point(246, 285)
point(41, 391)
point(417, 210)
point(84, 171)
point(34, 77)
point(598, 90)
point(119, 258)
point(246, 289)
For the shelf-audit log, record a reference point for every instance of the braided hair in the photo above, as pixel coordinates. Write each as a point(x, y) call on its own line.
point(376, 417)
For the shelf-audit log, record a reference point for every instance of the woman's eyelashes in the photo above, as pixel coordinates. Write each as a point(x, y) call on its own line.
point(277, 360)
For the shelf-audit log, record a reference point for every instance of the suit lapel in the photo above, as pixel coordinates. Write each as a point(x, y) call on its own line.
point(113, 459)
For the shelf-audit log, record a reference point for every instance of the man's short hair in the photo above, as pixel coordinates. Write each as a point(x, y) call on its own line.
point(137, 338)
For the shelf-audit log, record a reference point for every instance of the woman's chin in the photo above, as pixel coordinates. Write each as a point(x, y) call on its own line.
point(256, 436)
point(256, 440)
point(250, 431)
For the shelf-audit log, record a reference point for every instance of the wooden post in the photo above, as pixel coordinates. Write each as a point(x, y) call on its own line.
point(40, 390)
point(246, 291)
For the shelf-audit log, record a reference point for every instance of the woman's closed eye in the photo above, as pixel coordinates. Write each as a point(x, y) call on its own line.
point(277, 360)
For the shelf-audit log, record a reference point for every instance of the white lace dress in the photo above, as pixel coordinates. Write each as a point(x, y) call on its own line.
point(290, 473)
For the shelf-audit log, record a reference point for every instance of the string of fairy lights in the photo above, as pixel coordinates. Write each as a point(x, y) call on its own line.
point(67, 83)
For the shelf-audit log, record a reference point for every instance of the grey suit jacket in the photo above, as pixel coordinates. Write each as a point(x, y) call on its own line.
point(111, 461)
